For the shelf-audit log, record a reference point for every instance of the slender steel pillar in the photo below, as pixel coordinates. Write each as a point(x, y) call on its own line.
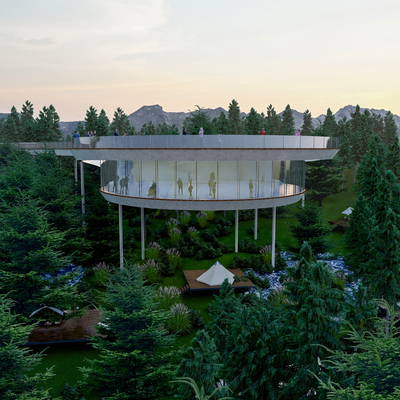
point(273, 234)
point(121, 238)
point(143, 227)
point(76, 170)
point(255, 223)
point(236, 230)
point(82, 188)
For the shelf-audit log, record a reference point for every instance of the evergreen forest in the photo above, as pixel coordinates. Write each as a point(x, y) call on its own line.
point(322, 334)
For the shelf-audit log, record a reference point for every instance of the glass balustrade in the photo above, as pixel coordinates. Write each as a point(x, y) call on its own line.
point(203, 180)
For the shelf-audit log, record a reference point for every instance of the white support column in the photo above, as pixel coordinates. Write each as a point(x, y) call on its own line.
point(143, 227)
point(236, 231)
point(121, 238)
point(82, 188)
point(76, 170)
point(273, 234)
point(255, 223)
point(303, 199)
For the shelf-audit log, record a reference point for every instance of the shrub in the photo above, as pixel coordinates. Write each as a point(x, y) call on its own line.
point(166, 297)
point(244, 215)
point(247, 246)
point(250, 231)
point(173, 257)
point(166, 269)
point(266, 254)
point(193, 232)
point(151, 270)
point(101, 273)
point(175, 234)
point(207, 236)
point(179, 321)
point(184, 217)
point(262, 283)
point(210, 215)
point(196, 319)
point(202, 219)
point(153, 250)
point(71, 392)
point(173, 223)
point(254, 262)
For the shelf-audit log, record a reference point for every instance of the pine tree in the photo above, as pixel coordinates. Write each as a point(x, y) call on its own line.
point(374, 367)
point(17, 382)
point(310, 228)
point(306, 128)
point(221, 125)
point(28, 122)
point(287, 121)
point(136, 354)
point(379, 125)
point(253, 122)
point(251, 344)
point(202, 363)
point(148, 128)
point(31, 257)
point(314, 303)
point(234, 120)
point(198, 119)
point(323, 178)
point(273, 122)
point(329, 126)
point(91, 120)
point(390, 129)
point(48, 125)
point(393, 157)
point(103, 124)
point(120, 121)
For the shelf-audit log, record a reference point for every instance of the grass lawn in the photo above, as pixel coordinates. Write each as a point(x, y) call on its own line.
point(67, 357)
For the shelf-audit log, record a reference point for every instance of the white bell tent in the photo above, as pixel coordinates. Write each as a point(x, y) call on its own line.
point(216, 275)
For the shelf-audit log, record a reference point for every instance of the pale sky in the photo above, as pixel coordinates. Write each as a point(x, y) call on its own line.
point(311, 54)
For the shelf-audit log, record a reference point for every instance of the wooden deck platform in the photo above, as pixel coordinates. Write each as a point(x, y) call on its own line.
point(192, 275)
point(72, 330)
point(339, 224)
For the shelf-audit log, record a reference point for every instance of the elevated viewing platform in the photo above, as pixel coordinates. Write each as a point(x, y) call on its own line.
point(199, 172)
point(194, 147)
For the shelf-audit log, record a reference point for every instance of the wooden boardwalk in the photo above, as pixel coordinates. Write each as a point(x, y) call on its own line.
point(192, 275)
point(72, 330)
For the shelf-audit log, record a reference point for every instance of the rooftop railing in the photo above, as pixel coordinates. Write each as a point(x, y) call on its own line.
point(191, 142)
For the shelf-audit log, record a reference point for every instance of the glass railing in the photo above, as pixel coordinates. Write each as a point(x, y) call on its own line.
point(192, 142)
point(203, 180)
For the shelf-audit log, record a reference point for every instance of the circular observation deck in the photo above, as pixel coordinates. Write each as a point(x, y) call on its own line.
point(202, 173)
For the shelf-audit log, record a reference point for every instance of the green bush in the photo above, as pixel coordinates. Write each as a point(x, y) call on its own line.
point(101, 273)
point(196, 319)
point(247, 246)
point(193, 232)
point(71, 392)
point(175, 234)
point(184, 217)
point(210, 215)
point(166, 297)
point(179, 320)
point(201, 219)
point(173, 257)
point(151, 271)
point(262, 283)
point(153, 251)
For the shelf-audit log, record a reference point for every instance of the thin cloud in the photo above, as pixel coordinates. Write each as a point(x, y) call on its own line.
point(14, 39)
